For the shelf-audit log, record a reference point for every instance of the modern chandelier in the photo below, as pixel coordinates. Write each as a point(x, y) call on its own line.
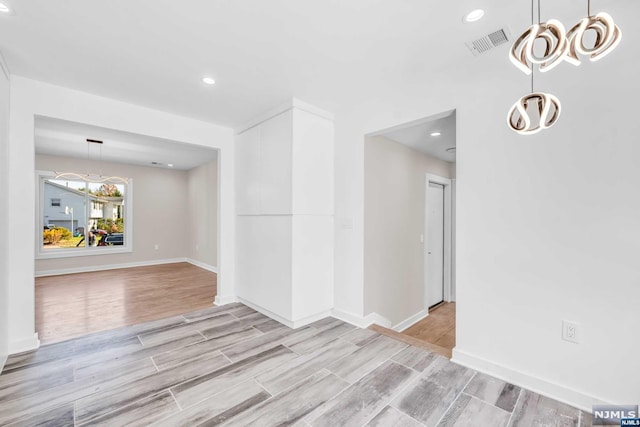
point(538, 110)
point(95, 178)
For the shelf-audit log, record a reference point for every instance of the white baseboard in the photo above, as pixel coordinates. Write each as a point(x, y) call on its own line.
point(26, 344)
point(361, 321)
point(410, 321)
point(88, 269)
point(310, 319)
point(3, 360)
point(266, 312)
point(294, 324)
point(203, 265)
point(531, 382)
point(224, 300)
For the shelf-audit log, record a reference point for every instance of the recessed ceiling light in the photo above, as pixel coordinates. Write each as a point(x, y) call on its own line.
point(473, 16)
point(208, 80)
point(170, 165)
point(436, 134)
point(4, 8)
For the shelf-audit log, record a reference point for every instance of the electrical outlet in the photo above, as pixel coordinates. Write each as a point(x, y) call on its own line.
point(571, 331)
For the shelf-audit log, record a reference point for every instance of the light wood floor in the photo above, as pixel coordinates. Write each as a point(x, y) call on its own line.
point(73, 305)
point(233, 366)
point(438, 328)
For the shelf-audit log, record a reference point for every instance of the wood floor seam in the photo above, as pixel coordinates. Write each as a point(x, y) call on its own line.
point(485, 402)
point(512, 412)
point(456, 398)
point(175, 400)
point(154, 364)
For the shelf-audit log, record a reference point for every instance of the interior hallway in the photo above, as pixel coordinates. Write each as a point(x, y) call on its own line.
point(73, 305)
point(438, 328)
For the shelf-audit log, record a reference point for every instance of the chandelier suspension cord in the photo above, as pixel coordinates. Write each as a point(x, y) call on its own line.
point(588, 8)
point(88, 157)
point(539, 18)
point(532, 21)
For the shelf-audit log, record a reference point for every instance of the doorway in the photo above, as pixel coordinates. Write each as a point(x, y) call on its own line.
point(99, 278)
point(434, 268)
point(410, 168)
point(438, 255)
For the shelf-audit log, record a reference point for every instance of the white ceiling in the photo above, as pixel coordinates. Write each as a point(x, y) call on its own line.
point(418, 136)
point(63, 138)
point(335, 54)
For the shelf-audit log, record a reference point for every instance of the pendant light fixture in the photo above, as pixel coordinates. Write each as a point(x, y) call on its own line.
point(522, 53)
point(88, 177)
point(537, 110)
point(608, 37)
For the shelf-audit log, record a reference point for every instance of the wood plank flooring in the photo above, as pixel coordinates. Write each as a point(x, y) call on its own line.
point(233, 366)
point(438, 328)
point(73, 305)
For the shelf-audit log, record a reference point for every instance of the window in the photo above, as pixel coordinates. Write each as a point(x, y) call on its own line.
point(82, 218)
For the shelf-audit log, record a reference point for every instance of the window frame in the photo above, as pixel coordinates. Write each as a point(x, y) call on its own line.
point(41, 253)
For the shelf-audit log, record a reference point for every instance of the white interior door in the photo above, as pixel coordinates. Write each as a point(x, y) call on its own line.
point(435, 244)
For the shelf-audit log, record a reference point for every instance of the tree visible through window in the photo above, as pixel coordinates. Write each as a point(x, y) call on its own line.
point(82, 215)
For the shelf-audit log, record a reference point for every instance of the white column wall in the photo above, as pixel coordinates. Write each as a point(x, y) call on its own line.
point(30, 98)
point(285, 214)
point(4, 209)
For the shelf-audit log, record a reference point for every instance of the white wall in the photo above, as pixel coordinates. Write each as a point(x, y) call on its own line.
point(4, 209)
point(547, 226)
point(395, 185)
point(161, 214)
point(203, 214)
point(30, 98)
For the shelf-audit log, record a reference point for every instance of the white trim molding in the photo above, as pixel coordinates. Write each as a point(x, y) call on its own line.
point(292, 103)
point(361, 321)
point(4, 67)
point(449, 286)
point(225, 299)
point(529, 381)
point(25, 344)
point(88, 269)
point(292, 324)
point(202, 265)
point(410, 321)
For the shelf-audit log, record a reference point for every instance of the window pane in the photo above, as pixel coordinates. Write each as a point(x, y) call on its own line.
point(77, 214)
point(64, 217)
point(106, 219)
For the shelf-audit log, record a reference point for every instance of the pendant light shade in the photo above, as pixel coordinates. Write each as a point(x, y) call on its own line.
point(533, 113)
point(88, 177)
point(99, 179)
point(608, 36)
point(553, 33)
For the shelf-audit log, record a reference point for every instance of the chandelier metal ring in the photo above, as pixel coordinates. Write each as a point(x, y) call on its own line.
point(608, 36)
point(522, 53)
point(548, 111)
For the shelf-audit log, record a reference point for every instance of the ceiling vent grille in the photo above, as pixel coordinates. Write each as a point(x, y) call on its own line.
point(488, 42)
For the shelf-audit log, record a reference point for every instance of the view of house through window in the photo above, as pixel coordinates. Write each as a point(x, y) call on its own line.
point(79, 214)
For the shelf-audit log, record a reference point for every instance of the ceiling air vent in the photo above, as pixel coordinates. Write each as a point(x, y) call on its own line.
point(488, 42)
